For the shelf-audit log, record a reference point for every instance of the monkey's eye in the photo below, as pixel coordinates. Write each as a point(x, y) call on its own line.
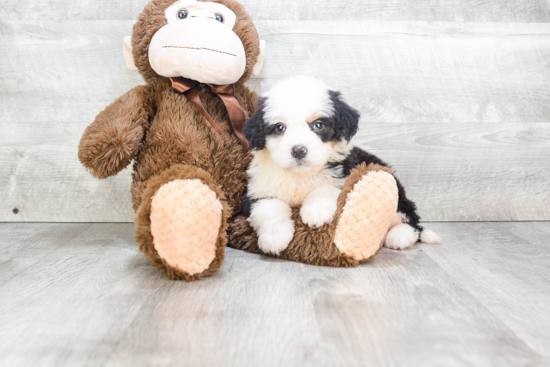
point(182, 14)
point(219, 18)
point(280, 128)
point(318, 126)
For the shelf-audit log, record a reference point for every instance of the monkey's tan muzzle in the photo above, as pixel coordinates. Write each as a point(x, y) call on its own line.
point(200, 49)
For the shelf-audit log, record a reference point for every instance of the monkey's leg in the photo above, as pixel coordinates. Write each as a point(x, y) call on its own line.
point(366, 207)
point(367, 212)
point(181, 223)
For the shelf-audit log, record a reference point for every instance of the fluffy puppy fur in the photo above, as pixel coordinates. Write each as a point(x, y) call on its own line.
point(300, 136)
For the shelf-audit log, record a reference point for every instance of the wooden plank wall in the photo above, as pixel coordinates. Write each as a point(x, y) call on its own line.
point(455, 94)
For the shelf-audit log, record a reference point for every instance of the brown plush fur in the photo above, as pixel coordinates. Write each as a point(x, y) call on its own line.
point(169, 139)
point(180, 134)
point(109, 144)
point(310, 245)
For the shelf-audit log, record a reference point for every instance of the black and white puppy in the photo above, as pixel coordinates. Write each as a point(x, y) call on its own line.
point(299, 136)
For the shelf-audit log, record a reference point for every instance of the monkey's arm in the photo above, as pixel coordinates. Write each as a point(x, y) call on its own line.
point(113, 139)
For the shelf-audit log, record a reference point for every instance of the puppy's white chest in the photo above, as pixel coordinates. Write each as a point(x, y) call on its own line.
point(268, 181)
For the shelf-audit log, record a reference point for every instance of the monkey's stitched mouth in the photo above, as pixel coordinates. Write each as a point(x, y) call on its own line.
point(201, 48)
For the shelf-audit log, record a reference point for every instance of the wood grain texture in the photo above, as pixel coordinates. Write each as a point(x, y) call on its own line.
point(53, 82)
point(478, 299)
point(461, 110)
point(363, 10)
point(468, 171)
point(511, 254)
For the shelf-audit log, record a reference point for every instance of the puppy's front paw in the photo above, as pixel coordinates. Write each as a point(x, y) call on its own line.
point(274, 237)
point(401, 237)
point(318, 213)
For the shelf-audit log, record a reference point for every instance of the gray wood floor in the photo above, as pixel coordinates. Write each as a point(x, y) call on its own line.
point(83, 295)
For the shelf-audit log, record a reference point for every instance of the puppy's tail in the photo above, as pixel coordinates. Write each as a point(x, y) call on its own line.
point(422, 234)
point(429, 236)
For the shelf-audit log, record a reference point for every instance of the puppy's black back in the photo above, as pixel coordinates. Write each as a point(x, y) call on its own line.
point(359, 156)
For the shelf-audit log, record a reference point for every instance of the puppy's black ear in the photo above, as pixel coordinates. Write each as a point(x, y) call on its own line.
point(346, 117)
point(254, 128)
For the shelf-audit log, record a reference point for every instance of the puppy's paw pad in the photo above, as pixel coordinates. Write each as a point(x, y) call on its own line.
point(401, 237)
point(318, 213)
point(275, 238)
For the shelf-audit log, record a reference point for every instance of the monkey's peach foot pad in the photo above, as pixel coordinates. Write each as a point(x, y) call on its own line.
point(186, 216)
point(367, 215)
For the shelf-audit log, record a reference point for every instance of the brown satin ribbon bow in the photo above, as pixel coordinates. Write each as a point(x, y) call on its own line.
point(189, 88)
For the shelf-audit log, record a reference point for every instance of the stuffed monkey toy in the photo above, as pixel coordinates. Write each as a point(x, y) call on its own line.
point(183, 132)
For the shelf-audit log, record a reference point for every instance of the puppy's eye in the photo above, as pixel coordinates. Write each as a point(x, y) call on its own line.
point(280, 128)
point(318, 126)
point(219, 18)
point(182, 14)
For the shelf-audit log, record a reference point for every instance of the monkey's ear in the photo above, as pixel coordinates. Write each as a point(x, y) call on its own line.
point(127, 51)
point(347, 117)
point(260, 63)
point(254, 128)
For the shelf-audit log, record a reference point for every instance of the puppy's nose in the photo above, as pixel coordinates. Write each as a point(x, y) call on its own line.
point(299, 151)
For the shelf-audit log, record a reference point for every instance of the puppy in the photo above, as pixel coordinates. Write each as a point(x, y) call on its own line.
point(300, 138)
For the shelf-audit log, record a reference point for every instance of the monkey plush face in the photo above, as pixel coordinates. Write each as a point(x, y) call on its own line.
point(198, 43)
point(212, 42)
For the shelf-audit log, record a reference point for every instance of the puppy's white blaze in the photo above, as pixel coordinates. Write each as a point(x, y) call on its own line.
point(320, 205)
point(271, 219)
point(295, 99)
point(267, 179)
point(430, 237)
point(401, 236)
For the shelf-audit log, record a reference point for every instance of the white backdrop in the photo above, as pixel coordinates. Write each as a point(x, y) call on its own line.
point(454, 94)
